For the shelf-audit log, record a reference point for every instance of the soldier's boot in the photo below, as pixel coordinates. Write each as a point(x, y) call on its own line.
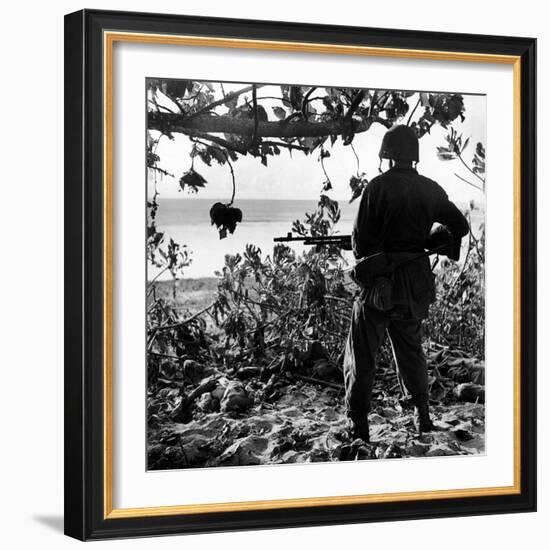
point(360, 430)
point(423, 420)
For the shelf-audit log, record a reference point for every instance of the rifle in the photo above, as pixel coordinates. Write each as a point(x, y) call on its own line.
point(340, 241)
point(440, 241)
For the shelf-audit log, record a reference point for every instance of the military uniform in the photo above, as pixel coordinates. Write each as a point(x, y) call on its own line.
point(396, 214)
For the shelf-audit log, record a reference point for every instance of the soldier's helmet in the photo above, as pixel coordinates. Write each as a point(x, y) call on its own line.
point(400, 143)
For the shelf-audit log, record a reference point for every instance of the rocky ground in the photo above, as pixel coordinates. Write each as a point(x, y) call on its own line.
point(213, 416)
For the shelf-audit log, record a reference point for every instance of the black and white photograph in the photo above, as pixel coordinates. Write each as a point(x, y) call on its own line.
point(315, 274)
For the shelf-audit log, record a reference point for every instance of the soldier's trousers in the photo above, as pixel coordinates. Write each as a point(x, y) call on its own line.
point(365, 337)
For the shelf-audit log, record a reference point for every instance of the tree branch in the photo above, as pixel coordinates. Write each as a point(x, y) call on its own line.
point(468, 182)
point(222, 101)
point(166, 122)
point(459, 156)
point(285, 145)
point(185, 321)
point(412, 112)
point(218, 141)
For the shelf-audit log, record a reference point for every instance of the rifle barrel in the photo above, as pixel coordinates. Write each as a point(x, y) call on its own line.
point(313, 239)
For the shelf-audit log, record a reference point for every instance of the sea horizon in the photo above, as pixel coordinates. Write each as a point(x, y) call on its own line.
point(187, 221)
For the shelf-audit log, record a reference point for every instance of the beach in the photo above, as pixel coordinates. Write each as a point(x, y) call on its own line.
point(187, 221)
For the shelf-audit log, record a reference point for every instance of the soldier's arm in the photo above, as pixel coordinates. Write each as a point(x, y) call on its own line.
point(449, 215)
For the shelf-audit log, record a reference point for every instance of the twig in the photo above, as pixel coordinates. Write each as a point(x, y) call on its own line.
point(284, 100)
point(166, 356)
point(455, 282)
point(255, 108)
point(306, 100)
point(180, 411)
point(322, 160)
point(318, 381)
point(184, 322)
point(412, 112)
point(161, 171)
point(219, 102)
point(356, 157)
point(285, 145)
point(459, 156)
point(468, 182)
point(337, 299)
point(158, 275)
point(159, 107)
point(355, 104)
point(232, 178)
point(217, 140)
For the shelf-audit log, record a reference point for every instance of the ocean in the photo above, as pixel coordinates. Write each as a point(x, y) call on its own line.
point(187, 221)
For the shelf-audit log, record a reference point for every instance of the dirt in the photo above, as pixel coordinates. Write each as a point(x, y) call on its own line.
point(306, 423)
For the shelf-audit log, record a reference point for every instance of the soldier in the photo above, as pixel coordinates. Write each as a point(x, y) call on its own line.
point(396, 214)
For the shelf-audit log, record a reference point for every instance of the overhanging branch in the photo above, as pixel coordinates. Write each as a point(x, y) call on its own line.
point(167, 122)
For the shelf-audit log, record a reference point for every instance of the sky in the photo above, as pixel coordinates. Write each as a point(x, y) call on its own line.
point(301, 177)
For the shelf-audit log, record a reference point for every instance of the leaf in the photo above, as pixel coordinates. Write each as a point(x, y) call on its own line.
point(192, 179)
point(443, 153)
point(218, 154)
point(225, 218)
point(357, 185)
point(296, 96)
point(279, 112)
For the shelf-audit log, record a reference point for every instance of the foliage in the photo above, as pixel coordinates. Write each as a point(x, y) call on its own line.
point(287, 302)
point(457, 318)
point(281, 318)
point(297, 118)
point(284, 320)
point(278, 306)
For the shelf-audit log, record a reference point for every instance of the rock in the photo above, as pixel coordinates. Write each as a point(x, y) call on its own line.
point(195, 371)
point(324, 369)
point(195, 453)
point(364, 453)
point(245, 452)
point(249, 372)
point(463, 431)
point(393, 451)
point(290, 457)
point(314, 352)
point(155, 453)
point(235, 398)
point(318, 455)
point(220, 388)
point(450, 418)
point(462, 434)
point(417, 450)
point(441, 450)
point(348, 452)
point(466, 370)
point(470, 392)
point(208, 403)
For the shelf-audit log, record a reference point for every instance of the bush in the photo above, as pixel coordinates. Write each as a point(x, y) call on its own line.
point(281, 306)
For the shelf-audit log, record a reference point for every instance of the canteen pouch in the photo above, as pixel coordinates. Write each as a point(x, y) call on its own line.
point(375, 275)
point(379, 295)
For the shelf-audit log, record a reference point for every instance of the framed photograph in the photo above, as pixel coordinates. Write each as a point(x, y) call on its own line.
point(300, 274)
